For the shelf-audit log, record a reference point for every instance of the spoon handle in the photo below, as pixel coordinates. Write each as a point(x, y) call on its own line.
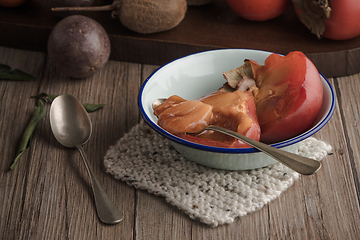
point(106, 209)
point(300, 164)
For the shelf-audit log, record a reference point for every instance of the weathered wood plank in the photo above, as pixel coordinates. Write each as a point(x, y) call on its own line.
point(15, 112)
point(48, 196)
point(349, 106)
point(155, 218)
point(307, 210)
point(51, 181)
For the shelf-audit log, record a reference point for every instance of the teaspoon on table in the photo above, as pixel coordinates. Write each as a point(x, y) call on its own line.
point(300, 164)
point(72, 128)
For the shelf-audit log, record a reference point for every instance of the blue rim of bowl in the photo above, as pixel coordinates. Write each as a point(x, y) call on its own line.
point(181, 141)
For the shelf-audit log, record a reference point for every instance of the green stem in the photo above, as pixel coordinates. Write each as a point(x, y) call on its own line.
point(38, 114)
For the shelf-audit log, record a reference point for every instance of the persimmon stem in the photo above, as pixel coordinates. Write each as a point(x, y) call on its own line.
point(312, 14)
point(80, 9)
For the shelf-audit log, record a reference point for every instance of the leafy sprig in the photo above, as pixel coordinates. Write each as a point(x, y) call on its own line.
point(38, 115)
point(88, 107)
point(7, 74)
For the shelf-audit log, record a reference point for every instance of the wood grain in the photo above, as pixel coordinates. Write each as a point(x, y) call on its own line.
point(48, 196)
point(212, 26)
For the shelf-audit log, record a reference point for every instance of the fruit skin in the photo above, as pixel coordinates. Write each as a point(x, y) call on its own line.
point(259, 10)
point(78, 46)
point(331, 19)
point(344, 22)
point(12, 3)
point(290, 95)
point(151, 16)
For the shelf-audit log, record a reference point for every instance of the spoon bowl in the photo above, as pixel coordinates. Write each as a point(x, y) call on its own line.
point(72, 128)
point(70, 122)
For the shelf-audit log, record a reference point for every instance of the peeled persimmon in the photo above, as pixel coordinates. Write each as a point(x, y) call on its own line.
point(231, 110)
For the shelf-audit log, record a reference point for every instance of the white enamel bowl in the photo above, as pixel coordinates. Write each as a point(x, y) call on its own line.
point(198, 74)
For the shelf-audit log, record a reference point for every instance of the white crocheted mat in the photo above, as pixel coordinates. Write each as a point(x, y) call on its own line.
point(146, 160)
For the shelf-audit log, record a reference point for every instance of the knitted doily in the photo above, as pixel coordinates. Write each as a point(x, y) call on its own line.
point(146, 160)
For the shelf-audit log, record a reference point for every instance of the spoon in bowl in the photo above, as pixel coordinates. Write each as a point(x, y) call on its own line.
point(72, 128)
point(300, 164)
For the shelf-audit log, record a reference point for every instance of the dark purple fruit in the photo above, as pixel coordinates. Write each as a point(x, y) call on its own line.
point(78, 46)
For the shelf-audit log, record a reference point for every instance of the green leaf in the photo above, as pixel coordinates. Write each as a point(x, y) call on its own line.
point(92, 107)
point(44, 96)
point(88, 107)
point(38, 114)
point(7, 74)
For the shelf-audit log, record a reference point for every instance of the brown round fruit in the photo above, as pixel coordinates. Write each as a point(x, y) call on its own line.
point(78, 46)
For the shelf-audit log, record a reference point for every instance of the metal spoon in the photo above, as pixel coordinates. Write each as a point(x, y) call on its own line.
point(72, 127)
point(300, 164)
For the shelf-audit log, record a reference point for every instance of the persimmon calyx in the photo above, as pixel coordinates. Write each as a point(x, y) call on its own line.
point(236, 75)
point(312, 14)
point(241, 78)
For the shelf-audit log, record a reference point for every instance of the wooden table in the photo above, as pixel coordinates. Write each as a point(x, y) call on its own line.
point(48, 196)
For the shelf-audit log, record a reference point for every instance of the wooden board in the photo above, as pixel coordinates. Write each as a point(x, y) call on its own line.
point(213, 26)
point(48, 194)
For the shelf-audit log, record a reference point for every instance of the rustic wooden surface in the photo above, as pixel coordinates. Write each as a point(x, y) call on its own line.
point(213, 26)
point(48, 196)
